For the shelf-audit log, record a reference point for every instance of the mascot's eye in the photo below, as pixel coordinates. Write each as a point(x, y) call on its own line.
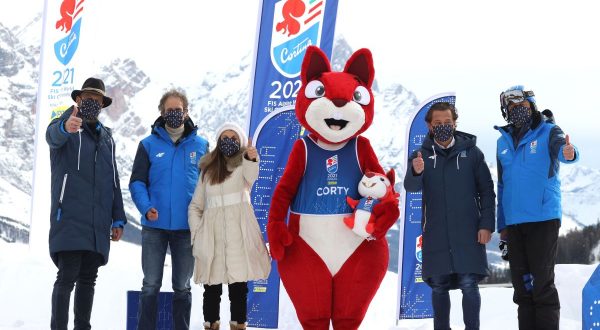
point(314, 89)
point(382, 180)
point(361, 95)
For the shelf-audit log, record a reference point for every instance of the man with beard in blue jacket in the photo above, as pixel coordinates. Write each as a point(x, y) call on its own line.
point(529, 203)
point(458, 213)
point(163, 180)
point(87, 207)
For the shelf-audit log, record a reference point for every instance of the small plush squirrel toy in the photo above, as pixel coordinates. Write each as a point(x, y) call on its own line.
point(374, 188)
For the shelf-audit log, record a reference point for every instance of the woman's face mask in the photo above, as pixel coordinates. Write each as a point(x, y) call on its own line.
point(89, 109)
point(229, 146)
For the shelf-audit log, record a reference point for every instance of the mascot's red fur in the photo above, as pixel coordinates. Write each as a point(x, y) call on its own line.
point(330, 273)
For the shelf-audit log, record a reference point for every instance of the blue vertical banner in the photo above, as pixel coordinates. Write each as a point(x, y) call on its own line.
point(285, 30)
point(414, 296)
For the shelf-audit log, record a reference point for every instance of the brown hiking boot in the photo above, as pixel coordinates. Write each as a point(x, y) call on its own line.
point(211, 326)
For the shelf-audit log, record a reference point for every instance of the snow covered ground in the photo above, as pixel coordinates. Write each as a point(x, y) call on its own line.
point(26, 281)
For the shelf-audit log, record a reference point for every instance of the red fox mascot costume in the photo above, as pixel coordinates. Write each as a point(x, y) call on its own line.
point(330, 273)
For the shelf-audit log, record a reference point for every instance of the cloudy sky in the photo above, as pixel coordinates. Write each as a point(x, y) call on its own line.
point(474, 48)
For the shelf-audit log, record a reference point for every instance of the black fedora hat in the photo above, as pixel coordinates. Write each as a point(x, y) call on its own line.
point(93, 85)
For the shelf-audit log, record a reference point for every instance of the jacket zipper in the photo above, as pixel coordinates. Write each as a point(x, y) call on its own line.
point(477, 206)
point(424, 216)
point(62, 194)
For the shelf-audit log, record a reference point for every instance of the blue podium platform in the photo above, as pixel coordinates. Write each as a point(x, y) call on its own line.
point(164, 311)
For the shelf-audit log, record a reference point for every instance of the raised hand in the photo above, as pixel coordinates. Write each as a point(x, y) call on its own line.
point(418, 163)
point(73, 124)
point(152, 214)
point(251, 152)
point(568, 149)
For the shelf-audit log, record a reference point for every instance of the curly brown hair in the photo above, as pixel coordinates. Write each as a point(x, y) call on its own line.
point(173, 93)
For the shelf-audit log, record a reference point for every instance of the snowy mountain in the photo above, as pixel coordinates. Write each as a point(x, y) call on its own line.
point(215, 98)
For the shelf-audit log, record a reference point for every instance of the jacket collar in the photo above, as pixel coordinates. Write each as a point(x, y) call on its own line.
point(158, 128)
point(462, 141)
point(536, 125)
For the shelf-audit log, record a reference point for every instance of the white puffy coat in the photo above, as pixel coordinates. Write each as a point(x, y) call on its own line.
point(227, 242)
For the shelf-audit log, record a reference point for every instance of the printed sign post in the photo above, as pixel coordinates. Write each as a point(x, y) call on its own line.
point(414, 296)
point(61, 37)
point(286, 29)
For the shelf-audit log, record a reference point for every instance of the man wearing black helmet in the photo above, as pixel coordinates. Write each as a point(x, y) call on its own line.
point(529, 203)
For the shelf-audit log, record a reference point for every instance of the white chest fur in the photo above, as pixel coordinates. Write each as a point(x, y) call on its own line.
point(329, 237)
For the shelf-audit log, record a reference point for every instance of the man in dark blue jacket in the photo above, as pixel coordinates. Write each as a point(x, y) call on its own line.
point(163, 180)
point(458, 213)
point(529, 203)
point(86, 207)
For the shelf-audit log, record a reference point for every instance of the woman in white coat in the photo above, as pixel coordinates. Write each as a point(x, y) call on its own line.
point(227, 243)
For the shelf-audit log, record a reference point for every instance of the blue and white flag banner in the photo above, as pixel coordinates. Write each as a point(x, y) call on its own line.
point(61, 40)
point(286, 29)
point(414, 296)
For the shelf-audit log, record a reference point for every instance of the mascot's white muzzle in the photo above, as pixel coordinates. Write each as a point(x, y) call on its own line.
point(335, 123)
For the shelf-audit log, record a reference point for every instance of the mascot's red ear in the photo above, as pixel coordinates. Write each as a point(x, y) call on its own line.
point(314, 64)
point(391, 175)
point(360, 64)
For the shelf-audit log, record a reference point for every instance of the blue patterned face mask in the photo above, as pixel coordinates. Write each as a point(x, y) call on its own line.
point(229, 146)
point(89, 109)
point(519, 115)
point(443, 133)
point(174, 117)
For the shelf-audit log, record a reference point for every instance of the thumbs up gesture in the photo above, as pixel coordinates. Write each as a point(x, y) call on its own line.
point(568, 149)
point(418, 163)
point(73, 124)
point(251, 152)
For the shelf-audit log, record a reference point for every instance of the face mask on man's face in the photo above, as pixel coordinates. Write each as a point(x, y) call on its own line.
point(89, 109)
point(519, 115)
point(174, 118)
point(443, 133)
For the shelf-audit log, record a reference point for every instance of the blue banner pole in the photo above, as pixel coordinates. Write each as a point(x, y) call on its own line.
point(414, 296)
point(286, 29)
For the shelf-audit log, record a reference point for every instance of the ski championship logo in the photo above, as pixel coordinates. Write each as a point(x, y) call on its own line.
point(65, 48)
point(332, 164)
point(419, 248)
point(533, 147)
point(297, 24)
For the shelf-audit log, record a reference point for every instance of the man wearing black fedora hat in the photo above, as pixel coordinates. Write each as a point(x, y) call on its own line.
point(87, 205)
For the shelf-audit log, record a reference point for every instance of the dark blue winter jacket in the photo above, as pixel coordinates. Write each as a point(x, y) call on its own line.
point(458, 200)
point(165, 174)
point(528, 182)
point(86, 195)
